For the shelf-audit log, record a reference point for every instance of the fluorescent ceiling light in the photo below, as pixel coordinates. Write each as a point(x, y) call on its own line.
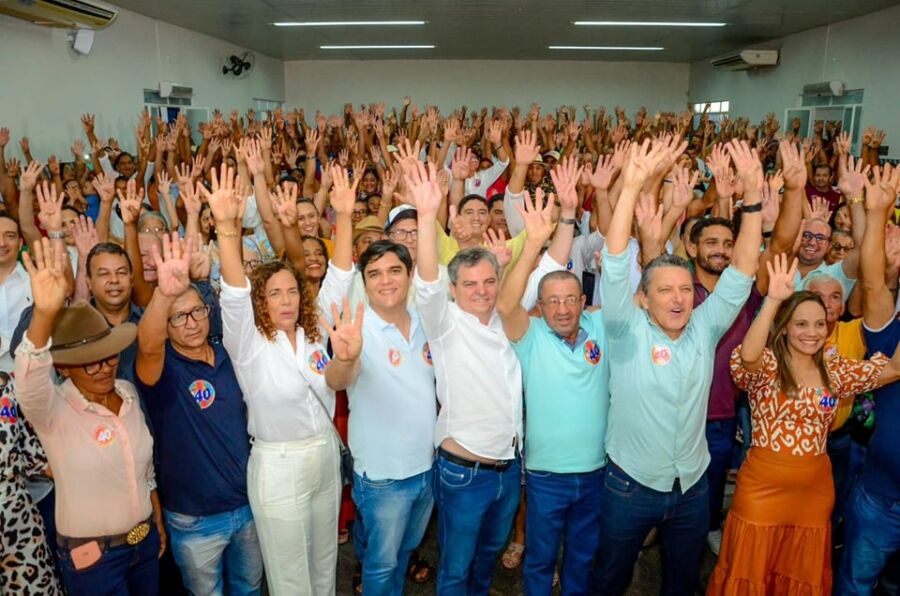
point(388, 47)
point(610, 48)
point(346, 23)
point(648, 24)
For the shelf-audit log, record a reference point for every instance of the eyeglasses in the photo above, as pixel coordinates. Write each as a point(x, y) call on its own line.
point(198, 313)
point(820, 238)
point(252, 264)
point(404, 234)
point(840, 248)
point(156, 230)
point(94, 367)
point(556, 302)
point(360, 212)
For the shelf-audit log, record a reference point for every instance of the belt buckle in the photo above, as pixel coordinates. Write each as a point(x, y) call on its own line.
point(137, 534)
point(501, 466)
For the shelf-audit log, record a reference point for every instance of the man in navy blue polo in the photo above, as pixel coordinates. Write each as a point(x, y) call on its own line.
point(200, 436)
point(872, 516)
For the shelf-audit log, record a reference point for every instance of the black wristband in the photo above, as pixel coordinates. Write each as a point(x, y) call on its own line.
point(767, 234)
point(751, 208)
point(568, 220)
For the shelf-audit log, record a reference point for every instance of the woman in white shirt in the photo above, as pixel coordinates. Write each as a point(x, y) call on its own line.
point(272, 334)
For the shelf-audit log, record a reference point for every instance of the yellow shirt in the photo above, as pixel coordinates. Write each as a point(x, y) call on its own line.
point(847, 341)
point(448, 247)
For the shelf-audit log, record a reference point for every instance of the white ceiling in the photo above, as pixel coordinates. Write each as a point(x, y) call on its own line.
point(501, 29)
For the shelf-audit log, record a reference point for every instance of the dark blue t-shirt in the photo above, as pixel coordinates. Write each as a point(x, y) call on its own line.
point(881, 474)
point(200, 441)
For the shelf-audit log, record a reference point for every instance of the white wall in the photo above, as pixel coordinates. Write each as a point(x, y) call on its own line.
point(46, 86)
point(327, 85)
point(862, 52)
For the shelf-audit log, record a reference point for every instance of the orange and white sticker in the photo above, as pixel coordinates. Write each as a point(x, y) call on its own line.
point(104, 435)
point(660, 355)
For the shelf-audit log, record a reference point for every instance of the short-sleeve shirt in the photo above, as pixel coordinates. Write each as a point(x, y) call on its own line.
point(832, 196)
point(799, 425)
point(566, 396)
point(881, 474)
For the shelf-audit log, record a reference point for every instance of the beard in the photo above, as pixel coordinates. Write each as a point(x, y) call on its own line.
point(714, 267)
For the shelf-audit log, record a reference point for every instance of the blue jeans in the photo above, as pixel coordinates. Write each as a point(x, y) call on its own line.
point(720, 439)
point(121, 571)
point(839, 452)
point(391, 519)
point(871, 536)
point(216, 553)
point(630, 511)
point(476, 508)
point(562, 505)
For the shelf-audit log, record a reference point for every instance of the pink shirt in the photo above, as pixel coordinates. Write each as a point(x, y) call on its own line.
point(102, 463)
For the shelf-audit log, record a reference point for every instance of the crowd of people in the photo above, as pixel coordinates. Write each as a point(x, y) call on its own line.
point(247, 343)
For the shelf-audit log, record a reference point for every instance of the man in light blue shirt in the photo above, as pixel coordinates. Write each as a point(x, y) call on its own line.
point(565, 374)
point(393, 410)
point(661, 364)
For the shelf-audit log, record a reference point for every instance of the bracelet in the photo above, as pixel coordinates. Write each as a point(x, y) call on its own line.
point(56, 235)
point(751, 208)
point(857, 200)
point(227, 233)
point(568, 221)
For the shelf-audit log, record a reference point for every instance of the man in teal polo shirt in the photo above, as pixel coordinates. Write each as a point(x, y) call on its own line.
point(565, 374)
point(661, 364)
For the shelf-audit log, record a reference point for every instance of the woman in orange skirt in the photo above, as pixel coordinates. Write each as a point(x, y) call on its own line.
point(778, 534)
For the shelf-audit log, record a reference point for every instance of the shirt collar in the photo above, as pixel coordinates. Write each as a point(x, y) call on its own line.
point(82, 404)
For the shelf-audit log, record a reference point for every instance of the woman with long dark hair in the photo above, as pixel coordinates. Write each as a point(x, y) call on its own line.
point(778, 534)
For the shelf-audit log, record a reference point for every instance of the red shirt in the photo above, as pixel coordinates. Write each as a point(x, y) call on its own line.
point(832, 196)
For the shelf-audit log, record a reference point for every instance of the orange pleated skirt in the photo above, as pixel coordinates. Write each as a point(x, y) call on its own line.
point(777, 538)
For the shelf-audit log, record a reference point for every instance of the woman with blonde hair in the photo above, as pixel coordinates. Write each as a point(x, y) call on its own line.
point(778, 535)
point(272, 334)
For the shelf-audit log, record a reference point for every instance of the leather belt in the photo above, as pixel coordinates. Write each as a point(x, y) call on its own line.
point(132, 537)
point(498, 466)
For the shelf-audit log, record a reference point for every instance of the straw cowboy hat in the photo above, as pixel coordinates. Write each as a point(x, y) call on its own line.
point(81, 336)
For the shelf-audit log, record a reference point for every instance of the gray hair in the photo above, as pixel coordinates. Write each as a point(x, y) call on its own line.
point(661, 261)
point(471, 257)
point(560, 275)
point(153, 215)
point(815, 278)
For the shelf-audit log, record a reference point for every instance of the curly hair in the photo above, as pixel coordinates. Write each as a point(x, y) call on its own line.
point(309, 314)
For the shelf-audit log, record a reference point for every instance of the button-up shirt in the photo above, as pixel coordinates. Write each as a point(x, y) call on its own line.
point(659, 386)
point(15, 297)
point(392, 402)
point(479, 380)
point(102, 462)
point(280, 384)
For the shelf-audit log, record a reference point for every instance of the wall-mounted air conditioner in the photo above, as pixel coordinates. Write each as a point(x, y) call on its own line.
point(67, 14)
point(826, 89)
point(746, 59)
point(169, 89)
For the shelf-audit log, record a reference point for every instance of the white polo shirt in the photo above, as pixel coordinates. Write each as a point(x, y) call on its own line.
point(393, 405)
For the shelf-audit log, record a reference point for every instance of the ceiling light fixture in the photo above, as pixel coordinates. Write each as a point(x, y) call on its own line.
point(610, 48)
point(388, 47)
point(346, 23)
point(648, 24)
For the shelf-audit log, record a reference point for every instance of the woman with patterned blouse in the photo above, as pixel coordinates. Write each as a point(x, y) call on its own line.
point(778, 534)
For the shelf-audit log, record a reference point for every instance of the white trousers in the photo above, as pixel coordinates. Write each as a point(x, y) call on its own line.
point(295, 490)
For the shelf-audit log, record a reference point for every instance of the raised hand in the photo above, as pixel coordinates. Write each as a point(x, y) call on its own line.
point(30, 176)
point(459, 167)
point(781, 277)
point(882, 189)
point(105, 187)
point(225, 203)
point(770, 205)
point(253, 154)
point(683, 186)
point(46, 267)
point(284, 199)
point(496, 243)
point(312, 141)
point(527, 148)
point(793, 165)
point(346, 335)
point(565, 176)
point(163, 182)
point(343, 195)
point(85, 235)
point(537, 215)
point(423, 189)
point(747, 163)
point(495, 132)
point(130, 202)
point(606, 171)
point(50, 207)
point(820, 209)
point(852, 177)
point(649, 217)
point(173, 266)
point(642, 161)
point(4, 137)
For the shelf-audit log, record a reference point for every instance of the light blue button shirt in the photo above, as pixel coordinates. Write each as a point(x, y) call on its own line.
point(835, 270)
point(566, 396)
point(393, 405)
point(659, 387)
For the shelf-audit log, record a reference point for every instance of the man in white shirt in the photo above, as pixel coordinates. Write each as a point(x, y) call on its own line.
point(15, 287)
point(390, 384)
point(479, 386)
